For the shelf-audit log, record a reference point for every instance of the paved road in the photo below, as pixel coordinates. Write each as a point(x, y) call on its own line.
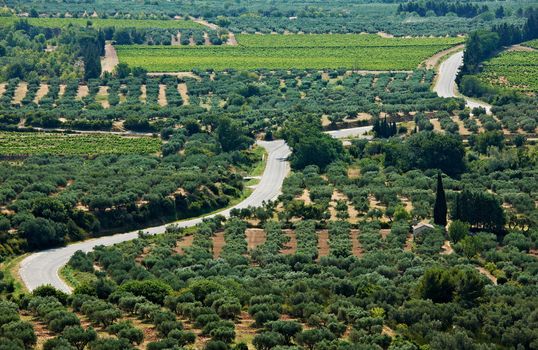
point(42, 267)
point(446, 81)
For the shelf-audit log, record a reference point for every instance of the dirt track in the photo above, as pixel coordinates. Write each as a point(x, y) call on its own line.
point(110, 61)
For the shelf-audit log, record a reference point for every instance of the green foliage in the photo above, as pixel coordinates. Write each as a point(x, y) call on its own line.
point(442, 286)
point(458, 230)
point(63, 144)
point(440, 207)
point(153, 290)
point(481, 210)
point(310, 146)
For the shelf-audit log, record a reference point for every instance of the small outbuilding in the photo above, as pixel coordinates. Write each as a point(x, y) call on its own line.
point(421, 228)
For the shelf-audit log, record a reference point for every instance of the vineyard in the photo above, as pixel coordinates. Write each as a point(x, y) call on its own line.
point(290, 51)
point(517, 70)
point(104, 23)
point(22, 144)
point(340, 40)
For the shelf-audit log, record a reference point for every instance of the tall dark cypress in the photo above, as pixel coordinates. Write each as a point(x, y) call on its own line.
point(440, 209)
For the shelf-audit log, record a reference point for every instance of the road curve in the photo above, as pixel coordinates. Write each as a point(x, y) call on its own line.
point(445, 85)
point(42, 268)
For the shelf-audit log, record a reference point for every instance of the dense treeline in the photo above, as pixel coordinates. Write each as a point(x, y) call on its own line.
point(280, 16)
point(30, 53)
point(261, 100)
point(63, 199)
point(442, 8)
point(482, 44)
point(391, 295)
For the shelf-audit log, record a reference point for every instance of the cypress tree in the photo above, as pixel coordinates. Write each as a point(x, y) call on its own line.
point(440, 209)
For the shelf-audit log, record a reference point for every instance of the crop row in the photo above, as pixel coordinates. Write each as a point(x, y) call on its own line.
point(514, 69)
point(168, 59)
point(338, 40)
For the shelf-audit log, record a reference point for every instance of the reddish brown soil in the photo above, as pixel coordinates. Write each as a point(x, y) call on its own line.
point(323, 243)
point(384, 232)
point(218, 244)
point(291, 246)
point(355, 244)
point(409, 243)
point(255, 237)
point(183, 243)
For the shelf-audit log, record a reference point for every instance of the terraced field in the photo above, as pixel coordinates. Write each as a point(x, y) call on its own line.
point(359, 52)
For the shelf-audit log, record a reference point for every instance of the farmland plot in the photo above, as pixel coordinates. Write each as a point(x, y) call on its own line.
point(360, 52)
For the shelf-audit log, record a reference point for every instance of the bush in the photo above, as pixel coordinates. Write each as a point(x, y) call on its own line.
point(153, 290)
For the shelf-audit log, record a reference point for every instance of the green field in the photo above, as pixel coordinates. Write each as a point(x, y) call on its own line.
point(361, 52)
point(339, 40)
point(18, 143)
point(516, 69)
point(532, 43)
point(105, 22)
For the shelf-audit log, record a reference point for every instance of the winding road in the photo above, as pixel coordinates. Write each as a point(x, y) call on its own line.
point(446, 82)
point(43, 267)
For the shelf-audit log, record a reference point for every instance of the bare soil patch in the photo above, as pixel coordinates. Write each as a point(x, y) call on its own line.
point(436, 125)
point(176, 74)
point(102, 96)
point(325, 120)
point(521, 48)
point(305, 197)
point(244, 330)
point(207, 42)
point(356, 244)
point(232, 41)
point(83, 91)
point(323, 243)
point(143, 94)
point(488, 274)
point(290, 247)
point(373, 203)
point(62, 90)
point(162, 95)
point(218, 244)
point(407, 203)
point(41, 92)
point(447, 248)
point(2, 88)
point(20, 92)
point(184, 92)
point(150, 333)
point(183, 243)
point(385, 35)
point(143, 255)
point(409, 243)
point(205, 23)
point(338, 196)
point(255, 237)
point(384, 232)
point(479, 123)
point(462, 130)
point(110, 60)
point(353, 214)
point(388, 331)
point(42, 332)
point(354, 172)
